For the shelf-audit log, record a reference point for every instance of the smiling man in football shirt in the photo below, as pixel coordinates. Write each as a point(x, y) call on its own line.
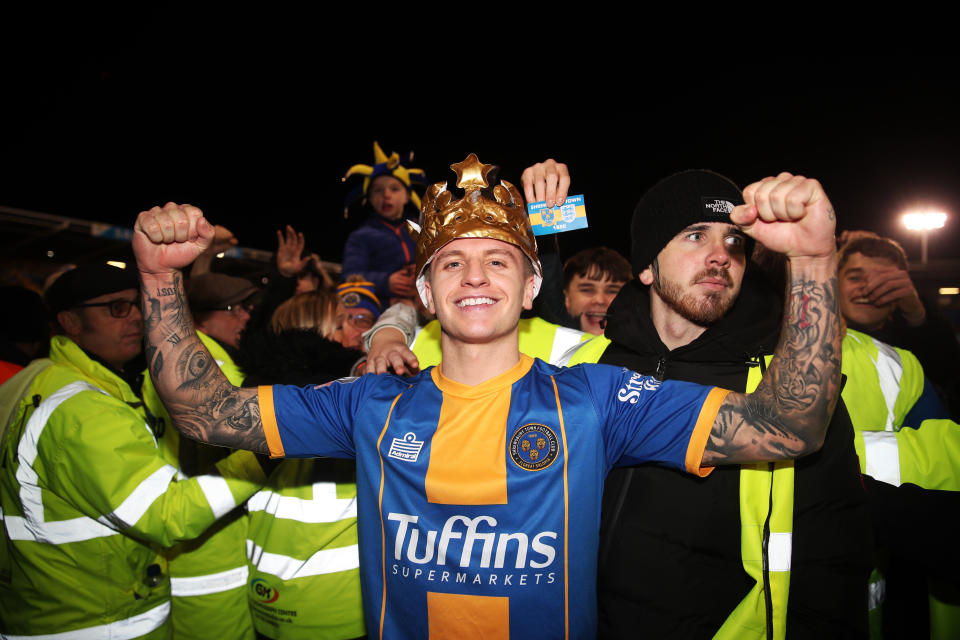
point(479, 480)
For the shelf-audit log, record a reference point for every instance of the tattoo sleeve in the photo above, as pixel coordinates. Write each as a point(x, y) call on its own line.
point(201, 401)
point(787, 416)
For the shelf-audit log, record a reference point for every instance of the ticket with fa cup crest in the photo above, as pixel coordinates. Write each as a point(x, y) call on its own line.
point(572, 214)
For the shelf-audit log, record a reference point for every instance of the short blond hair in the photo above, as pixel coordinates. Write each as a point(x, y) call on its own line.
point(315, 310)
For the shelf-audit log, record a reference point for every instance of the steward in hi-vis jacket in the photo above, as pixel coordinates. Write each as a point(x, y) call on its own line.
point(88, 501)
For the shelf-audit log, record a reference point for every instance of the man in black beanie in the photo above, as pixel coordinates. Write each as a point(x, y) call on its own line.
point(753, 551)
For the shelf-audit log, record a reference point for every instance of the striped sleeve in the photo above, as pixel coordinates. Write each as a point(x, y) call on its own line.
point(312, 421)
point(652, 421)
point(701, 432)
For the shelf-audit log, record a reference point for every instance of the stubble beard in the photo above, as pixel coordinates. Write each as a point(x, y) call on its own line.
point(703, 309)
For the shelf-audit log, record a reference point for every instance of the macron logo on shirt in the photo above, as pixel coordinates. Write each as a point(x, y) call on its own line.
point(406, 448)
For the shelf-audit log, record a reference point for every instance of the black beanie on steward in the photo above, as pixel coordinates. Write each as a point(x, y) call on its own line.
point(88, 281)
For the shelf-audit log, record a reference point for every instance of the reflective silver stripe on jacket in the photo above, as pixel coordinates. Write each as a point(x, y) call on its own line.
point(210, 583)
point(876, 593)
point(325, 506)
point(127, 629)
point(140, 499)
point(882, 452)
point(564, 340)
point(780, 551)
point(32, 525)
point(889, 372)
point(320, 563)
point(217, 492)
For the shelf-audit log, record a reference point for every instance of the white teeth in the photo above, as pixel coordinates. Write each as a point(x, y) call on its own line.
point(470, 302)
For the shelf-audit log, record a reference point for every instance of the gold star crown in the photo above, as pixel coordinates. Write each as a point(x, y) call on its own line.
point(475, 215)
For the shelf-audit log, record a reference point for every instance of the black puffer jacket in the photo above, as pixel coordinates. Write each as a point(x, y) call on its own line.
point(670, 564)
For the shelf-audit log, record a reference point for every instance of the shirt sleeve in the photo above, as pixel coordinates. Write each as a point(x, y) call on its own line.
point(652, 421)
point(312, 421)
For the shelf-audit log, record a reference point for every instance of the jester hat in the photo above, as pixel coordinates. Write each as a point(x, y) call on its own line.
point(394, 166)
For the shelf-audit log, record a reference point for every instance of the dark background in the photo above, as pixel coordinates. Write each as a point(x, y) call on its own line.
point(106, 115)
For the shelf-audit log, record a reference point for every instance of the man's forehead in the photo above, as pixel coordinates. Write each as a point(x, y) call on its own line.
point(723, 227)
point(595, 274)
point(461, 246)
point(858, 262)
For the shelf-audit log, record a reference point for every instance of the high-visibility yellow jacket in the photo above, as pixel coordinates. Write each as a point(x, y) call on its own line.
point(883, 385)
point(538, 339)
point(88, 502)
point(208, 574)
point(303, 552)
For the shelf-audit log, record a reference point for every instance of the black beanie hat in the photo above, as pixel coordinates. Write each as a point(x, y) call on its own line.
point(675, 203)
point(86, 282)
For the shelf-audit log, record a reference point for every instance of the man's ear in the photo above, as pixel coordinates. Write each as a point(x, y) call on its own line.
point(71, 323)
point(429, 295)
point(528, 294)
point(646, 276)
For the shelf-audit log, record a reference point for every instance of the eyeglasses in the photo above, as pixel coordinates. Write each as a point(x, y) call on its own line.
point(235, 308)
point(118, 308)
point(359, 320)
point(238, 307)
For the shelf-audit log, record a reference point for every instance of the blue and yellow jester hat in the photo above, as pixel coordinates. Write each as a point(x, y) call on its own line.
point(393, 165)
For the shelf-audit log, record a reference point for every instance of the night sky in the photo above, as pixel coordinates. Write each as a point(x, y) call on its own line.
point(258, 135)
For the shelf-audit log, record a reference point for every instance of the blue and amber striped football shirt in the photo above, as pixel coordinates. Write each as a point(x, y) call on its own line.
point(479, 506)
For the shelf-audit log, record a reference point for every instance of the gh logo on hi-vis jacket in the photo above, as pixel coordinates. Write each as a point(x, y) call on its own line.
point(263, 591)
point(534, 447)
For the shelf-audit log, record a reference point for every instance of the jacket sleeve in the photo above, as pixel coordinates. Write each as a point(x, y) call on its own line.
point(357, 260)
point(401, 317)
point(98, 456)
point(928, 457)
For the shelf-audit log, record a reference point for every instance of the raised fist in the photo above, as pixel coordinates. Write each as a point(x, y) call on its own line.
point(168, 239)
point(788, 214)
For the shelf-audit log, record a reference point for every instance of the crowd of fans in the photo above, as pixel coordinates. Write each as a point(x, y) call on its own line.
point(160, 535)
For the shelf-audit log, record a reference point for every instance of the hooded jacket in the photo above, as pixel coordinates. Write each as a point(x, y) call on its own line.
point(670, 554)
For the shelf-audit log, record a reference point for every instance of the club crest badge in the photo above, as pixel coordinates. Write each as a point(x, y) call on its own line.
point(534, 447)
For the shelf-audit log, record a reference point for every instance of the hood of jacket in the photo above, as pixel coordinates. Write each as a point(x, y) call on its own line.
point(750, 329)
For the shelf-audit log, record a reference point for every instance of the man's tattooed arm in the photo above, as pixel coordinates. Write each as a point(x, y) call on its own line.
point(787, 416)
point(203, 404)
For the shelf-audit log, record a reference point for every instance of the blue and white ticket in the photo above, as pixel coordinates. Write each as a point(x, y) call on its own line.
point(572, 214)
